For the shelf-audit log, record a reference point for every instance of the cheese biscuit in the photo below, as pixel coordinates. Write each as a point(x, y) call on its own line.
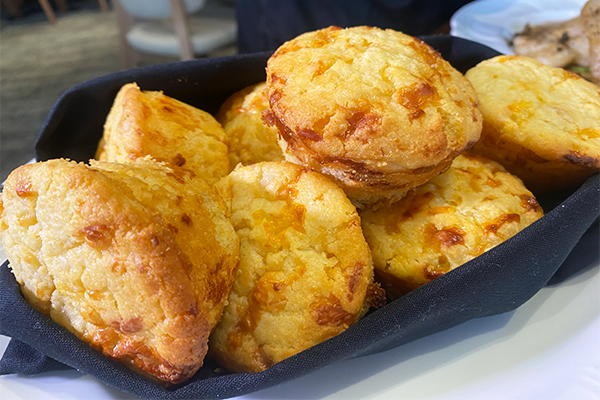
point(377, 111)
point(147, 123)
point(541, 123)
point(451, 219)
point(135, 259)
point(305, 270)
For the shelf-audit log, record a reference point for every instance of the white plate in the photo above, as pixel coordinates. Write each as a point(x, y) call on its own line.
point(494, 22)
point(547, 349)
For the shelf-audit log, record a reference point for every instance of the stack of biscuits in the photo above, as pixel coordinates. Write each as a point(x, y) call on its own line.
point(357, 166)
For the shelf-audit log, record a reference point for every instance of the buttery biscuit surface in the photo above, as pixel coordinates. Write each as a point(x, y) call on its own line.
point(451, 219)
point(305, 267)
point(541, 123)
point(148, 123)
point(377, 111)
point(251, 140)
point(136, 260)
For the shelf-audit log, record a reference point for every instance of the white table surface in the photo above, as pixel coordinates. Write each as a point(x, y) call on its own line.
point(549, 348)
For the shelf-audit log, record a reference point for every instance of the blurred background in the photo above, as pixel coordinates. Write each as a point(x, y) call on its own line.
point(40, 60)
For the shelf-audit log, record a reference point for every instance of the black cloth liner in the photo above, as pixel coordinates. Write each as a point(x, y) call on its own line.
point(498, 281)
point(264, 25)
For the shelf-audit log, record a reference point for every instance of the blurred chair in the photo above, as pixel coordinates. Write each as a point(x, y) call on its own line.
point(169, 28)
point(14, 8)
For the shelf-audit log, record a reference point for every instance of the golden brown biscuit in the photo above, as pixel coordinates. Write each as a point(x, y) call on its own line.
point(304, 265)
point(250, 139)
point(451, 219)
point(136, 260)
point(377, 111)
point(541, 123)
point(151, 124)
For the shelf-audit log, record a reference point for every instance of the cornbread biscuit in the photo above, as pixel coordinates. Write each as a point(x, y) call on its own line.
point(541, 123)
point(304, 265)
point(250, 139)
point(451, 219)
point(151, 124)
point(377, 111)
point(136, 260)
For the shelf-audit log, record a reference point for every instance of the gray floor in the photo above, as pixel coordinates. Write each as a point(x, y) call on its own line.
point(39, 61)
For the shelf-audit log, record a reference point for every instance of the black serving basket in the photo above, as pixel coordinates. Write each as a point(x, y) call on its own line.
point(564, 241)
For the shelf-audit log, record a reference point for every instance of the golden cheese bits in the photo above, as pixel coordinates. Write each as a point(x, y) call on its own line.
point(148, 123)
point(305, 270)
point(451, 219)
point(541, 123)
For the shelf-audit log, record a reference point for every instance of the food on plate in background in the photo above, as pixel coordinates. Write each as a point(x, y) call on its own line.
point(305, 271)
point(251, 140)
point(572, 44)
point(151, 124)
point(591, 21)
point(556, 44)
point(540, 122)
point(453, 218)
point(135, 259)
point(377, 111)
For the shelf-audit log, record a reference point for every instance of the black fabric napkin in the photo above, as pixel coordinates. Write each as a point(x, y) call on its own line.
point(495, 282)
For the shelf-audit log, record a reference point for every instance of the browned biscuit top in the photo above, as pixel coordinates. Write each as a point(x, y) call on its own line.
point(370, 101)
point(541, 123)
point(548, 110)
point(149, 123)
